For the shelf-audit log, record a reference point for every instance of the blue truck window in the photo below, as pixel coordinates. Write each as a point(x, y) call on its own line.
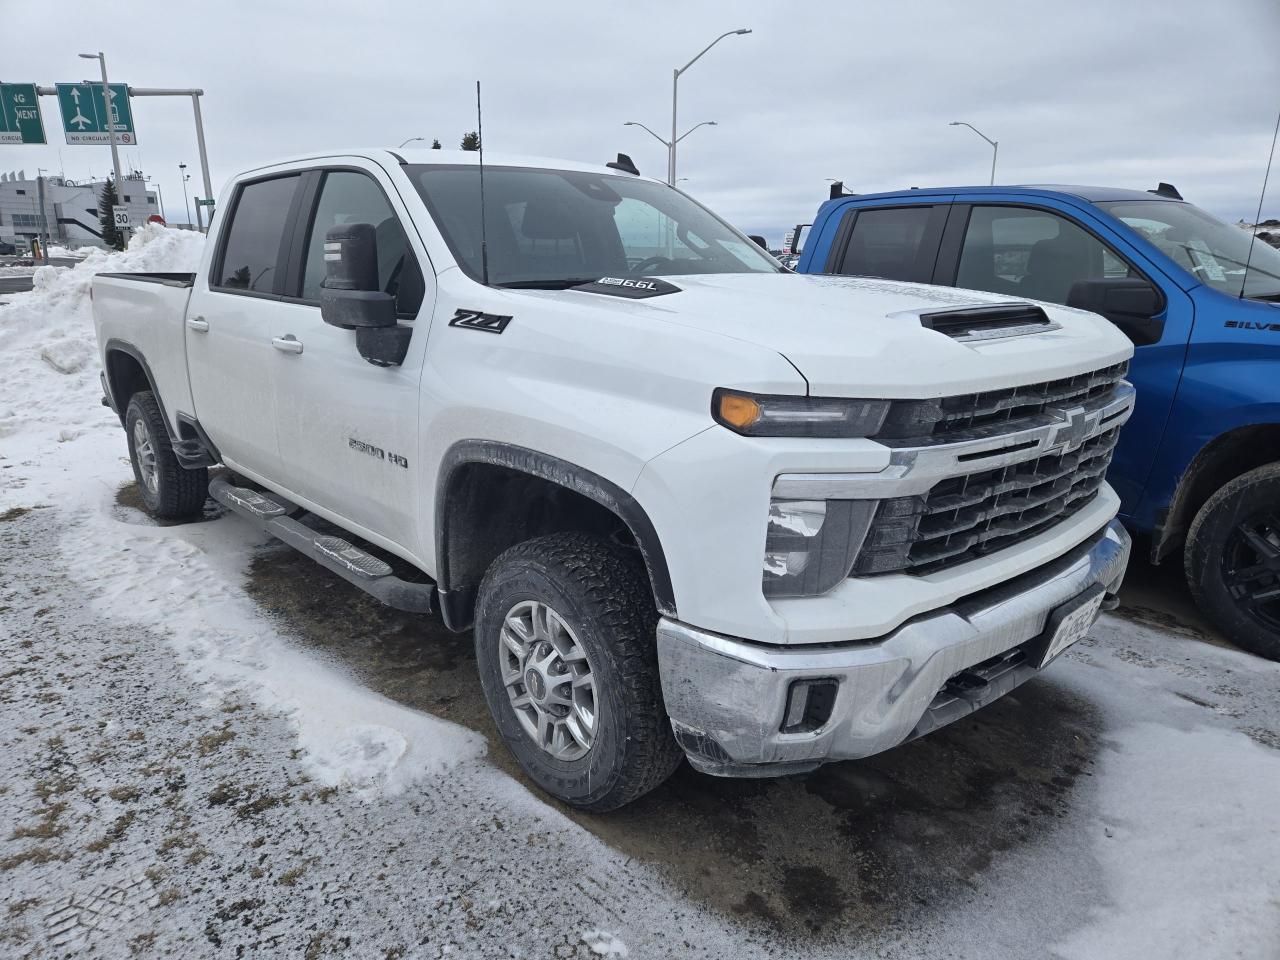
point(1031, 253)
point(889, 243)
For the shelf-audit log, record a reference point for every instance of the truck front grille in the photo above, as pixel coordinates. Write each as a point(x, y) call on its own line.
point(965, 517)
point(947, 419)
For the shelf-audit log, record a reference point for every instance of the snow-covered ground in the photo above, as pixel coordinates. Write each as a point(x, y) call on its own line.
point(211, 745)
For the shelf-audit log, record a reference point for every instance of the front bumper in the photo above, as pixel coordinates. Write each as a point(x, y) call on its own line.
point(727, 698)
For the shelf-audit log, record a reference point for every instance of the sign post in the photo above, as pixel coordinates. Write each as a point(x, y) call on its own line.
point(20, 120)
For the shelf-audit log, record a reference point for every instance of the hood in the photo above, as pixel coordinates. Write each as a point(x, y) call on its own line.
point(851, 336)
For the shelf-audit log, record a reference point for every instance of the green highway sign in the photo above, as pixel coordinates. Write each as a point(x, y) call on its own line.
point(204, 203)
point(84, 115)
point(20, 114)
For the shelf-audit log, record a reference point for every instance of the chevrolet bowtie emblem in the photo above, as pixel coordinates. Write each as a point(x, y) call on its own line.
point(1073, 426)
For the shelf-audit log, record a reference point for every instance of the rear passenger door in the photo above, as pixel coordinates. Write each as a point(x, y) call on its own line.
point(348, 429)
point(894, 241)
point(230, 358)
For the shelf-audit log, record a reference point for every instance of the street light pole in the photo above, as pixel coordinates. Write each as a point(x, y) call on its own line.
point(411, 140)
point(675, 92)
point(182, 172)
point(111, 128)
point(995, 144)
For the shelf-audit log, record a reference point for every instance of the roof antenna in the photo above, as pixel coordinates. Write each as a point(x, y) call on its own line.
point(1253, 231)
point(484, 239)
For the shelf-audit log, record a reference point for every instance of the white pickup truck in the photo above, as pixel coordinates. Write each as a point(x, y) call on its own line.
point(690, 503)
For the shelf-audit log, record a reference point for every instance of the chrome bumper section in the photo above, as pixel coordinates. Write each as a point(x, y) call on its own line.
point(727, 698)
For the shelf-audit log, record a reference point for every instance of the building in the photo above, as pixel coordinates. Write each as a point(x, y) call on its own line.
point(70, 209)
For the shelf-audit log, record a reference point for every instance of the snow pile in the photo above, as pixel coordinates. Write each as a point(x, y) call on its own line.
point(67, 252)
point(47, 339)
point(602, 943)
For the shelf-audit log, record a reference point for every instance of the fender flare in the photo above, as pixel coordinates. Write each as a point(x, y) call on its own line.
point(454, 603)
point(192, 452)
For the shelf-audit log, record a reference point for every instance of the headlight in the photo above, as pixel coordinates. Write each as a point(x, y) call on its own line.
point(811, 545)
point(768, 415)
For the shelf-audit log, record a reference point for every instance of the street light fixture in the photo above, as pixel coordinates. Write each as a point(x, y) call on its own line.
point(182, 172)
point(411, 140)
point(995, 144)
point(667, 143)
point(675, 91)
point(111, 126)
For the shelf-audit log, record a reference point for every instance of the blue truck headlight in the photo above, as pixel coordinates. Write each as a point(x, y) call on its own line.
point(810, 545)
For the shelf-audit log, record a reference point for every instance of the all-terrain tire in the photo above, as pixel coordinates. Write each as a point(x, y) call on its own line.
point(604, 598)
point(168, 491)
point(1233, 554)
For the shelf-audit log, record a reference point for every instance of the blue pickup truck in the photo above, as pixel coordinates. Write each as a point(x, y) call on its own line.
point(1198, 465)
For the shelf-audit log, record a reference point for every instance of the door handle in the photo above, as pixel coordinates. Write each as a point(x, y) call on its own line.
point(198, 323)
point(287, 344)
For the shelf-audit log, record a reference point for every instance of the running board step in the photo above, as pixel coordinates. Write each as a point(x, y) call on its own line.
point(370, 574)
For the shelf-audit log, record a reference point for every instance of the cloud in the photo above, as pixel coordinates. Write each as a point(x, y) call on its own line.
point(1095, 92)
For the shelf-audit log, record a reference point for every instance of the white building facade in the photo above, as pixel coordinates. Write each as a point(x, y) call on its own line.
point(70, 210)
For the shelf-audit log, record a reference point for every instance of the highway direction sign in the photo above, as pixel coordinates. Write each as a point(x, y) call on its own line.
point(84, 116)
point(20, 114)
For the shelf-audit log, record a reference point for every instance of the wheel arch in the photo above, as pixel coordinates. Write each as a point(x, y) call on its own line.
point(1218, 462)
point(492, 495)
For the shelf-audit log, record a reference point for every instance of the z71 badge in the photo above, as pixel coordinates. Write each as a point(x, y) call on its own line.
point(475, 320)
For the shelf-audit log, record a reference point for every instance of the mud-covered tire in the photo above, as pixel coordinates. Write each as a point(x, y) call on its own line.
point(603, 596)
point(1232, 558)
point(168, 491)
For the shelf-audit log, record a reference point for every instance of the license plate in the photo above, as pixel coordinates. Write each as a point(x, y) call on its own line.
point(1071, 621)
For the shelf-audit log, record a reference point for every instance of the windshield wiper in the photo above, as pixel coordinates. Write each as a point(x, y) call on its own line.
point(564, 283)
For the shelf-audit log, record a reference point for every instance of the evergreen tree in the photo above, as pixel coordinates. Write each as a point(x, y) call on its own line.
point(435, 144)
point(471, 141)
point(111, 234)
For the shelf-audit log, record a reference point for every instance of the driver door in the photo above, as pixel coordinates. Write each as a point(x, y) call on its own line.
point(348, 429)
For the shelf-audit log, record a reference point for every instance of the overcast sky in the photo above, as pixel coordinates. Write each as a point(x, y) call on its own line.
point(1119, 93)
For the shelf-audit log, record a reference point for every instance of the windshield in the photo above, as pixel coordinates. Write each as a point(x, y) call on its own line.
point(1213, 251)
point(549, 228)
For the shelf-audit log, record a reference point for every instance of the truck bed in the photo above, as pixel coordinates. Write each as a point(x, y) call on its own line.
point(144, 315)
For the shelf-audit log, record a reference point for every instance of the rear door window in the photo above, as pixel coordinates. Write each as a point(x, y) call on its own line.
point(893, 243)
point(252, 252)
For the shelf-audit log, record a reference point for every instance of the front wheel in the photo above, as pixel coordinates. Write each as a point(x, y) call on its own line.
point(1232, 560)
point(567, 658)
point(168, 491)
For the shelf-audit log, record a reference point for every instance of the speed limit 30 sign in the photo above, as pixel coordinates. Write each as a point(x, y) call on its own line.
point(120, 216)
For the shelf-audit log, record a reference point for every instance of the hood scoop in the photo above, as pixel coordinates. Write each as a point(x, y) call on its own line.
point(994, 322)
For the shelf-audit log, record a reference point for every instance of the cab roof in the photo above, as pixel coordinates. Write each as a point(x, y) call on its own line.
point(1086, 193)
point(419, 155)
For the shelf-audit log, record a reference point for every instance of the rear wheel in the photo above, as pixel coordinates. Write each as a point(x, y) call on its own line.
point(565, 649)
point(1233, 560)
point(168, 491)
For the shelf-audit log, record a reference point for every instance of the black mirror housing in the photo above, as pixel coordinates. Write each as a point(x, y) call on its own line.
point(1131, 303)
point(350, 296)
point(760, 241)
point(352, 299)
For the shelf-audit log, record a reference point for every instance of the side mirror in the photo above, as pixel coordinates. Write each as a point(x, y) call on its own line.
point(1131, 303)
point(352, 299)
point(761, 242)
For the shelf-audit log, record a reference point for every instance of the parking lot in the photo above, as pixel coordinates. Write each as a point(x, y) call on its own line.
point(169, 791)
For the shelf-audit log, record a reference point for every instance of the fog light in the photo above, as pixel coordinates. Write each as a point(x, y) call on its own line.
point(809, 705)
point(810, 545)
